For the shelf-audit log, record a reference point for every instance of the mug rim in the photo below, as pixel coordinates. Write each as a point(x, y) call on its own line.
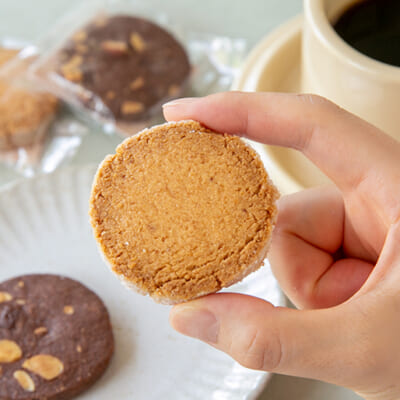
point(317, 18)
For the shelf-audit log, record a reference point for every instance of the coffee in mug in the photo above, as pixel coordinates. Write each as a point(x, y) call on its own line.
point(338, 71)
point(373, 28)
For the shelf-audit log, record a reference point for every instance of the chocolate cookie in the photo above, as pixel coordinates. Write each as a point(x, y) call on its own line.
point(55, 338)
point(180, 211)
point(131, 64)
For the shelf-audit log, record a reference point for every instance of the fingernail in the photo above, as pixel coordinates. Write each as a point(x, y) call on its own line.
point(196, 322)
point(185, 100)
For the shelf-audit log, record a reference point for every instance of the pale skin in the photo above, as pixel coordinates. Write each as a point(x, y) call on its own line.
point(335, 249)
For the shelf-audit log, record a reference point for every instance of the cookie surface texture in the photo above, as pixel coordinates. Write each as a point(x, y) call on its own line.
point(180, 211)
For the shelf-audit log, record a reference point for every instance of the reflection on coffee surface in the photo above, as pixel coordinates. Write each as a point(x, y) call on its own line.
point(373, 28)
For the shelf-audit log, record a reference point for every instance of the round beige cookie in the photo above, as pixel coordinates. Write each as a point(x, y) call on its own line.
point(180, 211)
point(24, 115)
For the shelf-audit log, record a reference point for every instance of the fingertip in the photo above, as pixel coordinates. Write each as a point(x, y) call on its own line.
point(175, 313)
point(172, 314)
point(194, 321)
point(176, 110)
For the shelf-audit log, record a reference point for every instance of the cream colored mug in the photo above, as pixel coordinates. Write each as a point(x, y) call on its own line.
point(335, 70)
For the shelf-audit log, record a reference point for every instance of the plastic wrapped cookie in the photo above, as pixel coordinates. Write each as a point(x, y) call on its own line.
point(25, 115)
point(120, 69)
point(180, 211)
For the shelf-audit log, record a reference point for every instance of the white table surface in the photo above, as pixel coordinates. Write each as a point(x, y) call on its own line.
point(250, 19)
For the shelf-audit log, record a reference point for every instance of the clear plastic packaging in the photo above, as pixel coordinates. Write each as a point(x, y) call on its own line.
point(30, 122)
point(117, 61)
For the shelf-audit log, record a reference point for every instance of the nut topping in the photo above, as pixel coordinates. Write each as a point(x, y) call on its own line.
point(71, 70)
point(44, 365)
point(114, 47)
point(4, 296)
point(132, 107)
point(73, 75)
point(69, 310)
point(9, 351)
point(42, 330)
point(137, 42)
point(75, 61)
point(137, 83)
point(24, 380)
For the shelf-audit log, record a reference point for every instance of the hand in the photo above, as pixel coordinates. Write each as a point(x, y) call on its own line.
point(335, 250)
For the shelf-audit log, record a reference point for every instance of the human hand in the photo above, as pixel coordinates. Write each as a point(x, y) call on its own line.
point(335, 250)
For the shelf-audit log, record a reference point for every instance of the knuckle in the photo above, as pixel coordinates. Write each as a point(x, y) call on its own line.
point(257, 351)
point(322, 104)
point(288, 212)
point(285, 207)
point(314, 99)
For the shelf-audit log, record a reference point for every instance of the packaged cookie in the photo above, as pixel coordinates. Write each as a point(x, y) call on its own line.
point(120, 62)
point(34, 135)
point(120, 68)
point(25, 115)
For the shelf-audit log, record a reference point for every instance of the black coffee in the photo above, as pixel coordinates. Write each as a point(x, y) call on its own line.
point(373, 28)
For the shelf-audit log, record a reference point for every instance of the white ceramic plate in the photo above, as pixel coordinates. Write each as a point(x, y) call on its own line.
point(44, 228)
point(274, 65)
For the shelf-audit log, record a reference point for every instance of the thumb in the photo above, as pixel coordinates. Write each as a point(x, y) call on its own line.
point(309, 343)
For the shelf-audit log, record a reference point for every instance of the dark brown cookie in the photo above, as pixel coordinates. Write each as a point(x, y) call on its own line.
point(131, 64)
point(55, 338)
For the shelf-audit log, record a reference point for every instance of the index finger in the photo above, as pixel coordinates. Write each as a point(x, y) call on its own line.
point(343, 146)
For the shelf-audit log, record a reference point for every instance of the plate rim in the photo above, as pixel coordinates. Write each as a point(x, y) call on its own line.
point(248, 79)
